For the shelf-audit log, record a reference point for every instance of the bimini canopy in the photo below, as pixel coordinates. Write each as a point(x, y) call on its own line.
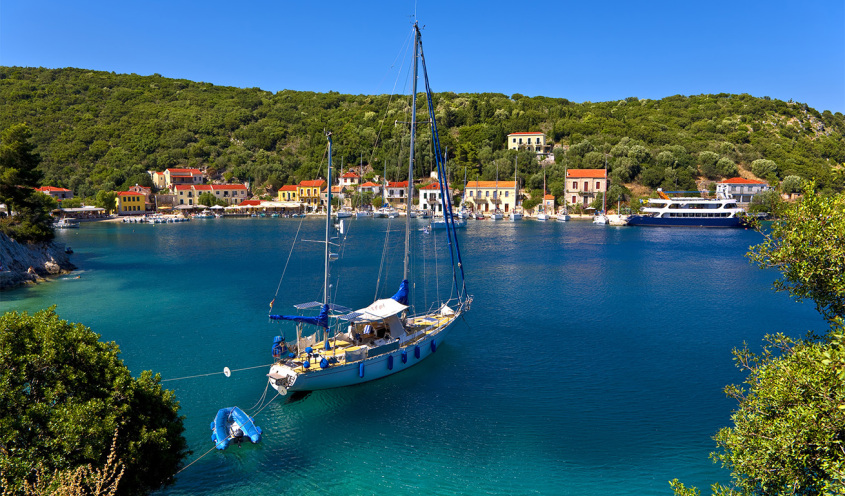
point(378, 310)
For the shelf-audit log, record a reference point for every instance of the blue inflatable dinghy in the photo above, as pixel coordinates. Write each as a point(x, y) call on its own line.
point(232, 424)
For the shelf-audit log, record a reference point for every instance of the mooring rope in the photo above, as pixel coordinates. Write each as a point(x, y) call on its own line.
point(215, 373)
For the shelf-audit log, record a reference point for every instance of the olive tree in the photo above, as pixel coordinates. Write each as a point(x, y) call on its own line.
point(64, 394)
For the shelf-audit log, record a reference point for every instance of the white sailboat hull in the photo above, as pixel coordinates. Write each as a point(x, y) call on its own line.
point(563, 217)
point(497, 216)
point(543, 217)
point(284, 377)
point(516, 216)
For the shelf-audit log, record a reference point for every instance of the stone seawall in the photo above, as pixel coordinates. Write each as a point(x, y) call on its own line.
point(22, 263)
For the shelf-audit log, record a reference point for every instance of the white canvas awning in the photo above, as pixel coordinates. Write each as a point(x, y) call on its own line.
point(380, 309)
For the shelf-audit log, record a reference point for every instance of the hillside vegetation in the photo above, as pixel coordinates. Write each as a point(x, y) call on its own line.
point(101, 131)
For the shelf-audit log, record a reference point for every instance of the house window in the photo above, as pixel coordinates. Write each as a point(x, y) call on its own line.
point(586, 186)
point(506, 193)
point(598, 186)
point(574, 199)
point(470, 193)
point(529, 141)
point(486, 194)
point(574, 184)
point(514, 140)
point(520, 141)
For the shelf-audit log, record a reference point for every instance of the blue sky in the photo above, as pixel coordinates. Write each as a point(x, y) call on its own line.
point(585, 51)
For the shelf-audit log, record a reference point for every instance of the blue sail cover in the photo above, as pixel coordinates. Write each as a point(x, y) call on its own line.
point(321, 320)
point(401, 296)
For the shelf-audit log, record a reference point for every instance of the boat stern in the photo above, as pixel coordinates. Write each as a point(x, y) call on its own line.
point(281, 377)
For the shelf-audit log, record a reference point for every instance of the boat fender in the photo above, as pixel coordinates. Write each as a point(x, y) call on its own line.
point(306, 364)
point(417, 351)
point(361, 369)
point(212, 428)
point(324, 363)
point(308, 350)
point(404, 356)
point(291, 355)
point(433, 345)
point(389, 362)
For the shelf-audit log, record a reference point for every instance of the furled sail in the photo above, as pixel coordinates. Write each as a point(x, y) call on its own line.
point(321, 320)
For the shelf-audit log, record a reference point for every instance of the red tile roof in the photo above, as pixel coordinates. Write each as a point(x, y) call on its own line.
point(586, 173)
point(128, 193)
point(490, 184)
point(184, 171)
point(431, 186)
point(288, 187)
point(182, 187)
point(202, 187)
point(227, 186)
point(315, 182)
point(247, 203)
point(350, 174)
point(403, 184)
point(370, 184)
point(549, 197)
point(741, 180)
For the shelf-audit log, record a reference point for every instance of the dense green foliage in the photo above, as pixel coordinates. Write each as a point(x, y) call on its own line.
point(101, 131)
point(63, 395)
point(19, 175)
point(788, 433)
point(807, 245)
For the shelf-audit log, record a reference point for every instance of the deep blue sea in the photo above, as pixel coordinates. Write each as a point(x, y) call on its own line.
point(592, 361)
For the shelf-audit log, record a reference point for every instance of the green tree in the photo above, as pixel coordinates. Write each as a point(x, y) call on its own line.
point(63, 395)
point(763, 167)
point(18, 178)
point(807, 246)
point(791, 184)
point(788, 431)
point(707, 164)
point(765, 202)
point(106, 200)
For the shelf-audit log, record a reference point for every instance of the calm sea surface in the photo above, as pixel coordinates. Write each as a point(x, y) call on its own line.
point(592, 361)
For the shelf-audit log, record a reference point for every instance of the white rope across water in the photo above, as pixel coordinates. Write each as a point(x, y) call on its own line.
point(225, 372)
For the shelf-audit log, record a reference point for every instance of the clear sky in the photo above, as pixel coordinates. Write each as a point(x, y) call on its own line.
point(583, 51)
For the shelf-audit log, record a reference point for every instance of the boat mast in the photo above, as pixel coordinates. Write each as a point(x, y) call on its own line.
point(411, 159)
point(515, 184)
point(328, 223)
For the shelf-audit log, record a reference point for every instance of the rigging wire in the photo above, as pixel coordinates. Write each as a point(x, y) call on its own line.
point(293, 244)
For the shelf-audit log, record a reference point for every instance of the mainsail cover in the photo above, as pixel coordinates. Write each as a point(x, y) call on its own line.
point(321, 320)
point(402, 295)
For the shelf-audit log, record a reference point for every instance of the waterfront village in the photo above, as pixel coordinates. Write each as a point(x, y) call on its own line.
point(179, 194)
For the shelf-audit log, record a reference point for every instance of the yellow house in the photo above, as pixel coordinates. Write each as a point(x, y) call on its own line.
point(533, 142)
point(309, 192)
point(289, 193)
point(129, 203)
point(486, 196)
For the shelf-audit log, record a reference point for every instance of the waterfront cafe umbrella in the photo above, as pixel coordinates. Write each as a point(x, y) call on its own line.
point(216, 207)
point(201, 206)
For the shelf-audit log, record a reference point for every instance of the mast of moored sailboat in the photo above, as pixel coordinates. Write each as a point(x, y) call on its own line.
point(411, 159)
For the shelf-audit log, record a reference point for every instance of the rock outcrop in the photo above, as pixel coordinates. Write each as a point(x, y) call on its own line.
point(22, 263)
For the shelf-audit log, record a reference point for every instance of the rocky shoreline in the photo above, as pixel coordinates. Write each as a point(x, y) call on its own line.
point(22, 263)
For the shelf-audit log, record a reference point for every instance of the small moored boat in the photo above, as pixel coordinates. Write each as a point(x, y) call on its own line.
point(232, 424)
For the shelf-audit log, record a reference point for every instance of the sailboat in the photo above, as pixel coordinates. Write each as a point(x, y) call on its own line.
point(339, 347)
point(464, 213)
point(497, 212)
point(564, 216)
point(543, 215)
point(601, 218)
point(515, 214)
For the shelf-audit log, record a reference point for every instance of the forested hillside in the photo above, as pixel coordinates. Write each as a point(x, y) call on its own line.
point(102, 131)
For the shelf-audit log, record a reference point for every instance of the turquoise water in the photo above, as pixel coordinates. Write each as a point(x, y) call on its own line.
point(592, 361)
